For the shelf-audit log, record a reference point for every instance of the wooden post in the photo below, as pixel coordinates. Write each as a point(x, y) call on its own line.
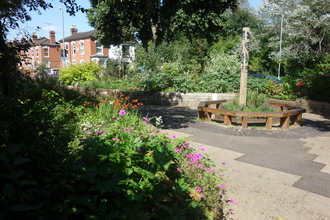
point(244, 66)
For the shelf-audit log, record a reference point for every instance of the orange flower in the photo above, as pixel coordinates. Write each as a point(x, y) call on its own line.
point(84, 104)
point(121, 95)
point(134, 106)
point(140, 103)
point(135, 100)
point(126, 98)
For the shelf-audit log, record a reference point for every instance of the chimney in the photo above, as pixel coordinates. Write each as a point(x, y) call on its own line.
point(52, 37)
point(34, 36)
point(73, 29)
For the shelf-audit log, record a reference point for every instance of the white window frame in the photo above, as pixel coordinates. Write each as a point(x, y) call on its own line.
point(74, 49)
point(47, 51)
point(37, 52)
point(100, 47)
point(82, 47)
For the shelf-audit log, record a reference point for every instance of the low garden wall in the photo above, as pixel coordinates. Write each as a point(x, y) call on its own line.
point(193, 99)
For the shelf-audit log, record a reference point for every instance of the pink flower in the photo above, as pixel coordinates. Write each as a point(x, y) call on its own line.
point(174, 136)
point(223, 186)
point(232, 201)
point(144, 119)
point(223, 163)
point(179, 170)
point(199, 189)
point(140, 150)
point(89, 132)
point(151, 134)
point(122, 112)
point(99, 133)
point(115, 139)
point(114, 118)
point(132, 125)
point(200, 177)
point(200, 166)
point(202, 195)
point(126, 129)
point(208, 169)
point(157, 131)
point(202, 149)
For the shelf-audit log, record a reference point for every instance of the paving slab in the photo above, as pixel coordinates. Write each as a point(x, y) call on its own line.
point(269, 174)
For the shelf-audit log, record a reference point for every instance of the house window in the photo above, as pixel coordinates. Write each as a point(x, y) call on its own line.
point(32, 55)
point(46, 62)
point(46, 51)
point(82, 61)
point(37, 52)
point(73, 48)
point(98, 47)
point(66, 46)
point(74, 62)
point(82, 47)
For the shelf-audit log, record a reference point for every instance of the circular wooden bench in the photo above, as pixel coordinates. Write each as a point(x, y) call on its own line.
point(285, 113)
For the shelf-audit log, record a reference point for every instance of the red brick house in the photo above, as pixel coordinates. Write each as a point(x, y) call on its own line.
point(42, 50)
point(84, 47)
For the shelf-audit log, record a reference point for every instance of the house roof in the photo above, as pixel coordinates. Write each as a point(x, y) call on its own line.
point(80, 35)
point(42, 41)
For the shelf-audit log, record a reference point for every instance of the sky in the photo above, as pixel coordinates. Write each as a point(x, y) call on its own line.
point(51, 20)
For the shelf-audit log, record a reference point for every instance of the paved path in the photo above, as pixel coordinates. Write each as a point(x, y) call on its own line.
point(272, 174)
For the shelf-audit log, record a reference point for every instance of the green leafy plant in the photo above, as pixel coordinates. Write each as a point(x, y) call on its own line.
point(78, 73)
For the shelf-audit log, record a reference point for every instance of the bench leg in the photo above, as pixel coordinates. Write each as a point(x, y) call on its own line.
point(285, 121)
point(269, 123)
point(244, 122)
point(207, 116)
point(297, 119)
point(201, 114)
point(227, 120)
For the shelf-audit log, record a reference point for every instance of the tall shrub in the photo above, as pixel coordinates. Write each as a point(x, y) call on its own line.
point(78, 73)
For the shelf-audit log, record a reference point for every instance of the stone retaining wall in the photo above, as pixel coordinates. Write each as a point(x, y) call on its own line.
point(192, 99)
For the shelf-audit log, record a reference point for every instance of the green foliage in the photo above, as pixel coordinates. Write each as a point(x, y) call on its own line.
point(93, 160)
point(78, 73)
point(255, 102)
point(222, 74)
point(193, 19)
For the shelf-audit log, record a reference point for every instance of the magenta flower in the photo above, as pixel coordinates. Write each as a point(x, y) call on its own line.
point(151, 134)
point(99, 133)
point(208, 169)
point(179, 170)
point(223, 186)
point(140, 150)
point(126, 129)
point(132, 125)
point(200, 177)
point(122, 112)
point(202, 195)
point(114, 118)
point(115, 139)
point(202, 149)
point(223, 163)
point(85, 146)
point(232, 201)
point(89, 132)
point(144, 119)
point(157, 131)
point(200, 166)
point(199, 189)
point(174, 136)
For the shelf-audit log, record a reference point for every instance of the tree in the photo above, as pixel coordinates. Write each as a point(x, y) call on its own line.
point(157, 20)
point(11, 13)
point(306, 27)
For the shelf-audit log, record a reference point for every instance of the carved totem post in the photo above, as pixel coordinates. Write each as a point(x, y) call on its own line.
point(244, 66)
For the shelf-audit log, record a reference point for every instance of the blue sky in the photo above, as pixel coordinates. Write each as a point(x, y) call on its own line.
point(52, 20)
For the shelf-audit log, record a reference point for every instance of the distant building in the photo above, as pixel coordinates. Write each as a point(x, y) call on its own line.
point(80, 47)
point(42, 51)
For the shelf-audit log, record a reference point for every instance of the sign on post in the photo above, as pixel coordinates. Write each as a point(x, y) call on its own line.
point(244, 66)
